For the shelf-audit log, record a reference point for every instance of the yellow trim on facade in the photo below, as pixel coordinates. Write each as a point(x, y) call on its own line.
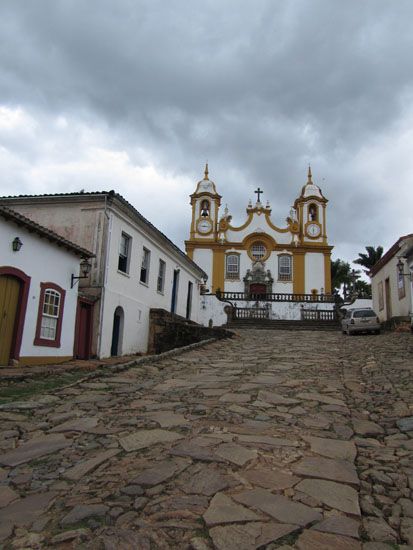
point(324, 224)
point(279, 229)
point(218, 269)
point(243, 226)
point(298, 272)
point(214, 245)
point(327, 273)
point(43, 360)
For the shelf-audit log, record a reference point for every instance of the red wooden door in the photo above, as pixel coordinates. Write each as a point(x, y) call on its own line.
point(83, 335)
point(258, 289)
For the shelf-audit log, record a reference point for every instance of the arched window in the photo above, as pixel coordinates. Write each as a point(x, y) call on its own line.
point(205, 208)
point(50, 315)
point(232, 266)
point(285, 270)
point(258, 250)
point(313, 212)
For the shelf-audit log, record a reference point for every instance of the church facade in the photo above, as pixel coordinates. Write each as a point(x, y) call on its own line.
point(260, 258)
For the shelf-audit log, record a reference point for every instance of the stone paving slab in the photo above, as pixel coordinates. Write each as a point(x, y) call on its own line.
point(270, 440)
point(332, 448)
point(249, 536)
point(35, 448)
point(147, 438)
point(336, 495)
point(326, 468)
point(222, 509)
point(279, 507)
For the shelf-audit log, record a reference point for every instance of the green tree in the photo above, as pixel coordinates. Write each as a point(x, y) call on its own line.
point(370, 259)
point(340, 274)
point(363, 289)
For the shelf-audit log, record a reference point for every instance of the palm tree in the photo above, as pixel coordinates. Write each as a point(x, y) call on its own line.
point(340, 273)
point(370, 259)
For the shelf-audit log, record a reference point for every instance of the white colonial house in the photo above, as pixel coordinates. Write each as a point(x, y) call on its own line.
point(276, 271)
point(39, 270)
point(391, 283)
point(135, 267)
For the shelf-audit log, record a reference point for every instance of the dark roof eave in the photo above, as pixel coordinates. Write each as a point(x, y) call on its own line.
point(33, 227)
point(113, 195)
point(388, 256)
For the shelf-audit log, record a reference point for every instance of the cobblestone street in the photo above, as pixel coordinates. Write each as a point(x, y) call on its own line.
point(271, 439)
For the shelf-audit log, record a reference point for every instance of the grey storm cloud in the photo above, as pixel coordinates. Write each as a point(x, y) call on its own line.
point(259, 88)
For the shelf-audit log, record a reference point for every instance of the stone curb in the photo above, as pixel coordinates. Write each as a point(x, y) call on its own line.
point(108, 370)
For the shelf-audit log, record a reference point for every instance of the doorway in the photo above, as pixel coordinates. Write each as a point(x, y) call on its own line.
point(9, 303)
point(388, 299)
point(84, 329)
point(258, 289)
point(189, 300)
point(14, 292)
point(175, 286)
point(117, 333)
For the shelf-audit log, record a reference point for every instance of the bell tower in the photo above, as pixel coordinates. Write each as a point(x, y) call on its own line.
point(311, 210)
point(205, 204)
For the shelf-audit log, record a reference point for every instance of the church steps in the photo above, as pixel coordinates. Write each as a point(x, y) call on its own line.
point(281, 324)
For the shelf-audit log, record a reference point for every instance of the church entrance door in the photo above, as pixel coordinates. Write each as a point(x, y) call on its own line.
point(258, 289)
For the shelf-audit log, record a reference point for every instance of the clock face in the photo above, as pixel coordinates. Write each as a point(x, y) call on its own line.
point(204, 226)
point(313, 230)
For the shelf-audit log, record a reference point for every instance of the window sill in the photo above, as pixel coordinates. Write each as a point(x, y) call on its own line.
point(144, 284)
point(123, 273)
point(284, 281)
point(161, 293)
point(46, 343)
point(231, 279)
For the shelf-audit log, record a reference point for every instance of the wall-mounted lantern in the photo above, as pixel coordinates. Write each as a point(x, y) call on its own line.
point(16, 244)
point(85, 268)
point(400, 267)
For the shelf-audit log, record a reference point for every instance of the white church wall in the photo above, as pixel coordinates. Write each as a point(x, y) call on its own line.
point(212, 311)
point(314, 272)
point(203, 258)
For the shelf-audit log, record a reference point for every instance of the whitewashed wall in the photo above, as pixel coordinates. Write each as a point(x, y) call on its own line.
point(203, 258)
point(212, 309)
point(399, 307)
point(43, 261)
point(314, 272)
point(258, 224)
point(137, 298)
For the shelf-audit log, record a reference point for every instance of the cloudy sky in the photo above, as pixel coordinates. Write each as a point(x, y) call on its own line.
point(136, 95)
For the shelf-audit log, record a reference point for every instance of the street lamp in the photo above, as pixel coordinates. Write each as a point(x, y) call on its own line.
point(85, 267)
point(400, 267)
point(16, 244)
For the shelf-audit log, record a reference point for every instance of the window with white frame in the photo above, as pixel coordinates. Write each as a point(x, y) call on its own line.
point(284, 267)
point(50, 315)
point(124, 253)
point(161, 276)
point(146, 260)
point(258, 251)
point(232, 266)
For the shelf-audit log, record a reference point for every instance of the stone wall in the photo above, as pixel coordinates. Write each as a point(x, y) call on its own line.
point(168, 331)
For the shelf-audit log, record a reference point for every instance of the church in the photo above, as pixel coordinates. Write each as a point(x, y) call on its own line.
point(260, 259)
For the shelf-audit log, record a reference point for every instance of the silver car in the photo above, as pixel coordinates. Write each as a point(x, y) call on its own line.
point(360, 320)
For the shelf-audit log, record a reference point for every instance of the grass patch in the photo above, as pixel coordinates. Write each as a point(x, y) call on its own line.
point(26, 389)
point(289, 539)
